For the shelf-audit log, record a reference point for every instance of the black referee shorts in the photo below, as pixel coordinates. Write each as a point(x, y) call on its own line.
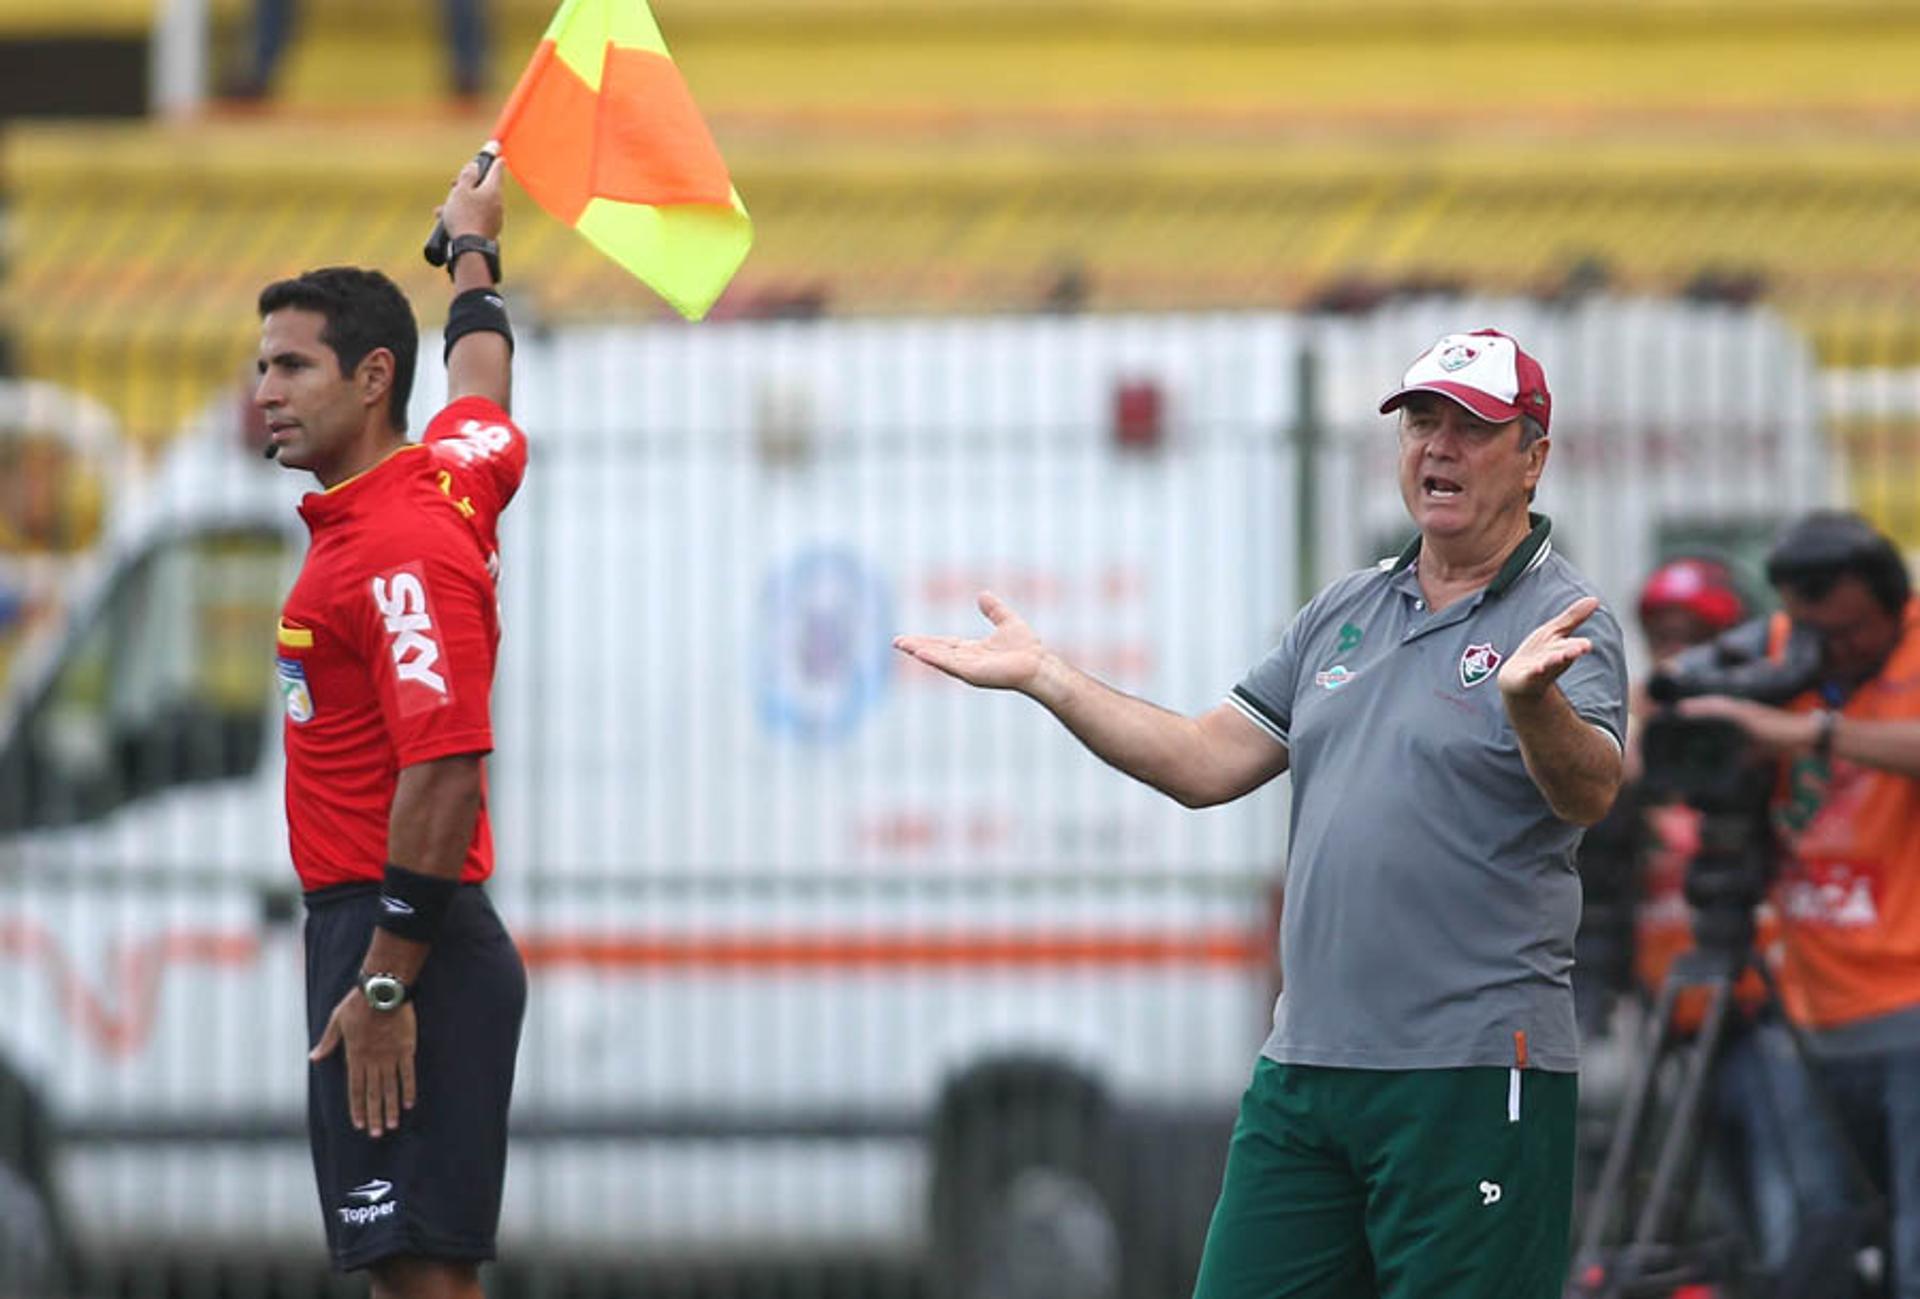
point(431, 1188)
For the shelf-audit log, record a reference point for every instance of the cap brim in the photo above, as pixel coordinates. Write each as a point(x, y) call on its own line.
point(1484, 405)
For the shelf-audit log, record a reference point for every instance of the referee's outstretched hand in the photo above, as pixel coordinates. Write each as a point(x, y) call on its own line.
point(1533, 668)
point(1010, 658)
point(380, 1047)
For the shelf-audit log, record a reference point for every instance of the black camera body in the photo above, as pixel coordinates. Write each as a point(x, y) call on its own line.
point(1737, 663)
point(1709, 764)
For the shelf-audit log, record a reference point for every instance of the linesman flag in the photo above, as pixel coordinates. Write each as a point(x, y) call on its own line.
point(604, 134)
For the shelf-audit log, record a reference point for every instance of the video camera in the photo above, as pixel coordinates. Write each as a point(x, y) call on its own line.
point(1736, 663)
point(1708, 763)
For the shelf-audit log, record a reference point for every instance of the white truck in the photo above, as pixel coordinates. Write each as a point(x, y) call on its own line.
point(829, 956)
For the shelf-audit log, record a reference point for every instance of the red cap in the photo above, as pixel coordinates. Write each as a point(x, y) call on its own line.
point(1486, 372)
point(1701, 587)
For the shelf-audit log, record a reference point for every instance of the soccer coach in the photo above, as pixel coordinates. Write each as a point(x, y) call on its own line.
point(415, 992)
point(1409, 1129)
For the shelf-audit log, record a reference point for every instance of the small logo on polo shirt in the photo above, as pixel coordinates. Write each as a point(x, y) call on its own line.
point(1350, 638)
point(1458, 357)
point(1333, 678)
point(1489, 1192)
point(1477, 663)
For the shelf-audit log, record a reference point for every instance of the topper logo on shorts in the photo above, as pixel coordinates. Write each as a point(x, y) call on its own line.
point(402, 600)
point(374, 1204)
point(362, 1214)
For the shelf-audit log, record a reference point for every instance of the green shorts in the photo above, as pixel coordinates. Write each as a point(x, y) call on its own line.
point(1401, 1184)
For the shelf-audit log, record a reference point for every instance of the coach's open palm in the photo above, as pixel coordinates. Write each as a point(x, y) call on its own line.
point(1549, 651)
point(1009, 658)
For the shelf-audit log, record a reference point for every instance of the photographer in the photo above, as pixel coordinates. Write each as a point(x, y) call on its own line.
point(1847, 810)
point(1634, 918)
point(1686, 602)
point(1637, 919)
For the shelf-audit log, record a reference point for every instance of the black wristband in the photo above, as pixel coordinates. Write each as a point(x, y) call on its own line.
point(412, 905)
point(474, 312)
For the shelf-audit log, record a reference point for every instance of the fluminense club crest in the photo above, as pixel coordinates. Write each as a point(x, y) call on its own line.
point(1477, 663)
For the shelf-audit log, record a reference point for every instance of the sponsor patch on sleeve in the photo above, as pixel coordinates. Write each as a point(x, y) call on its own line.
point(413, 641)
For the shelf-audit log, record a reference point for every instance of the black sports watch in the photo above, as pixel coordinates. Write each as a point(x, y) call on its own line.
point(384, 992)
point(487, 248)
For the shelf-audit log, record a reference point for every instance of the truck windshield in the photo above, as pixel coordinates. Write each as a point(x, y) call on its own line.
point(166, 684)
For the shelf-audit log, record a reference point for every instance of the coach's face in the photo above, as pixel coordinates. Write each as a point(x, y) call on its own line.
point(315, 415)
point(1460, 475)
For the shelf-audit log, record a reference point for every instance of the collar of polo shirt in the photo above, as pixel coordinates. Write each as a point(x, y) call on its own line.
point(1517, 563)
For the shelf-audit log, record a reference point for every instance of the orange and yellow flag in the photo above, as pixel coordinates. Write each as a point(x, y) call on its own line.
point(604, 134)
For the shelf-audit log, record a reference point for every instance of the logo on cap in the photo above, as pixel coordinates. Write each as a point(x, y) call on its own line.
point(1458, 357)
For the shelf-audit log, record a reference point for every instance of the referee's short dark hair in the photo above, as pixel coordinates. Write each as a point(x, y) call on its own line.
point(363, 310)
point(1828, 545)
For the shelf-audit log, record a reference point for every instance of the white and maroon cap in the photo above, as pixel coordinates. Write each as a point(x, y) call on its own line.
point(1485, 371)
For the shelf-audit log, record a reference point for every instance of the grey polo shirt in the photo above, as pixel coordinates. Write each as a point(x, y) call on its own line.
point(1431, 899)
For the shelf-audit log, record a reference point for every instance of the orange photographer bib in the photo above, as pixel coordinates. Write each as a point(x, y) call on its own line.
point(1848, 896)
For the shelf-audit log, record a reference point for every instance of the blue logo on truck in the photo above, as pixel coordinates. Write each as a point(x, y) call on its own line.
point(826, 651)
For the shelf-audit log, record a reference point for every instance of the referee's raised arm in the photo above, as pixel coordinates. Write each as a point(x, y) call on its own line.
point(479, 342)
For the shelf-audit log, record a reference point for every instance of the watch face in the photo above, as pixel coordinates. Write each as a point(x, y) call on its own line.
point(383, 991)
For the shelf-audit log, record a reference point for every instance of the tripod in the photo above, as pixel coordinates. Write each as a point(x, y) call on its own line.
point(1653, 1261)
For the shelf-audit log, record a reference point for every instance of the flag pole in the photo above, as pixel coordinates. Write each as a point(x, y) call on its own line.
point(436, 249)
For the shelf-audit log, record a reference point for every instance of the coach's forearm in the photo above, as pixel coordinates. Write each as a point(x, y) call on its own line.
point(1576, 766)
point(1153, 745)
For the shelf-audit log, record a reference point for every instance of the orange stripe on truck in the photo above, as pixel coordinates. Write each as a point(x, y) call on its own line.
point(1219, 948)
point(119, 1016)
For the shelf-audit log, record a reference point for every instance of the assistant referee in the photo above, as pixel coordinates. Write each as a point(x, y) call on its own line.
point(415, 992)
point(1409, 1129)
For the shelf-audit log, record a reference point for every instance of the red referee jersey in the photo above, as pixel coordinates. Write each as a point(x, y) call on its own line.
point(387, 639)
